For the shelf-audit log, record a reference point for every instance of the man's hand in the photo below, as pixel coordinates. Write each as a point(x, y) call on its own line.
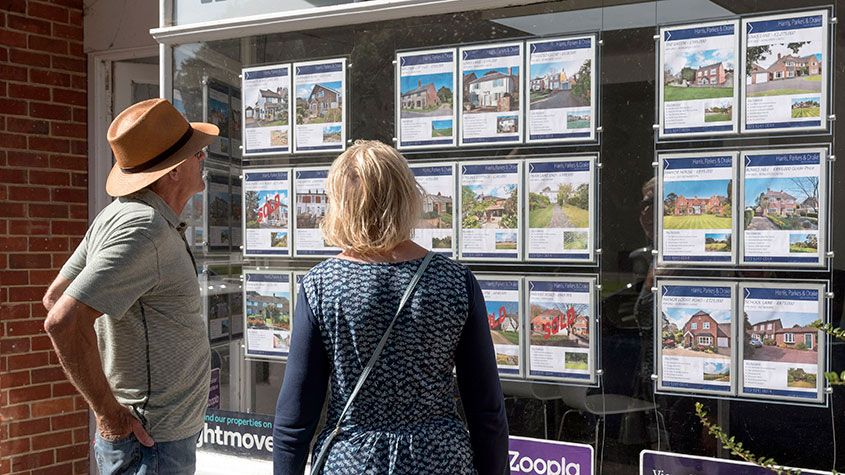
point(120, 425)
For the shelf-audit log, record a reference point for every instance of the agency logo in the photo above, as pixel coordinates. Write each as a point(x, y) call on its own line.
point(542, 466)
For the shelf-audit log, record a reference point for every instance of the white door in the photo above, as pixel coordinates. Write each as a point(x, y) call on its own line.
point(762, 77)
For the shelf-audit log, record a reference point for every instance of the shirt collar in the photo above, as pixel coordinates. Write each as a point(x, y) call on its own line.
point(157, 203)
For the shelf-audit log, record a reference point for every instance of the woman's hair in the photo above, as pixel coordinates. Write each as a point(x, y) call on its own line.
point(374, 199)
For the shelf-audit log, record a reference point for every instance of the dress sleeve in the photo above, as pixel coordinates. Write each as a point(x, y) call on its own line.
point(303, 392)
point(481, 392)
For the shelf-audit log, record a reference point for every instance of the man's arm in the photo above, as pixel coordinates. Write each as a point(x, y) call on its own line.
point(70, 324)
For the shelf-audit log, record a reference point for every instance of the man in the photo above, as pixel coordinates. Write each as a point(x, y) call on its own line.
point(125, 313)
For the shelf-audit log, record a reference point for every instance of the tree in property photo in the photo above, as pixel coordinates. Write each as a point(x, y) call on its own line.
point(754, 54)
point(582, 88)
point(445, 95)
point(251, 200)
point(509, 218)
point(669, 204)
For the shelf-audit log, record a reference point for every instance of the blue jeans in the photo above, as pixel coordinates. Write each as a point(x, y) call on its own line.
point(128, 456)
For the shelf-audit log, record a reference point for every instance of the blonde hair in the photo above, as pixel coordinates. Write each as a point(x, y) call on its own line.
point(374, 199)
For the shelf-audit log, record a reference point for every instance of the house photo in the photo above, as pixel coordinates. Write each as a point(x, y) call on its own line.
point(698, 74)
point(436, 211)
point(266, 209)
point(310, 208)
point(702, 204)
point(560, 84)
point(782, 203)
point(696, 333)
point(503, 319)
point(486, 207)
point(426, 95)
point(783, 68)
point(781, 336)
point(268, 108)
point(318, 103)
point(559, 324)
point(491, 90)
point(268, 310)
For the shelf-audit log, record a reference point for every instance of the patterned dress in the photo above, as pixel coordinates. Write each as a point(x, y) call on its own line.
point(405, 418)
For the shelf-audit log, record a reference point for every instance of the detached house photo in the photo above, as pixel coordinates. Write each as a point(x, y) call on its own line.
point(560, 84)
point(692, 74)
point(704, 204)
point(310, 208)
point(783, 69)
point(319, 103)
point(556, 324)
point(270, 108)
point(495, 90)
point(782, 203)
point(787, 338)
point(696, 334)
point(436, 212)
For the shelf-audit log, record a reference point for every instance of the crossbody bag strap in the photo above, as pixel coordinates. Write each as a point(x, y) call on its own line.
point(318, 462)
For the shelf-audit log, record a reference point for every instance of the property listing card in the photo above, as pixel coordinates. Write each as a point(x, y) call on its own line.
point(237, 213)
point(436, 227)
point(219, 211)
point(696, 347)
point(320, 95)
point(561, 90)
point(426, 107)
point(699, 90)
point(560, 317)
point(491, 94)
point(266, 205)
point(696, 211)
point(218, 112)
point(236, 125)
point(268, 313)
point(782, 355)
point(502, 297)
point(266, 110)
point(784, 195)
point(786, 72)
point(560, 209)
point(310, 209)
point(490, 211)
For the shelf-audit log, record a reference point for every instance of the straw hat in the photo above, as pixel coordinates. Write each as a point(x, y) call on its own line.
point(149, 139)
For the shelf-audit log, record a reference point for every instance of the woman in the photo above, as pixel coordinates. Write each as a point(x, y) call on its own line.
point(405, 419)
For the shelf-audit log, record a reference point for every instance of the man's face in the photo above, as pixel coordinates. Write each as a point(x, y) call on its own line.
point(191, 171)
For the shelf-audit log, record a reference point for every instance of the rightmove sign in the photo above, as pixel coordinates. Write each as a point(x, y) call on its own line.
point(549, 457)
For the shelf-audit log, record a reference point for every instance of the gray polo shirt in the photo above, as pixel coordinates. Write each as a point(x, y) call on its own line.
point(133, 265)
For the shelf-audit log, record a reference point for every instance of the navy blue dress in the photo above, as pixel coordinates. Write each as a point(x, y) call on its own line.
point(405, 418)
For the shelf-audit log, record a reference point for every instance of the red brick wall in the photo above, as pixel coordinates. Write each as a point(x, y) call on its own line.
point(43, 215)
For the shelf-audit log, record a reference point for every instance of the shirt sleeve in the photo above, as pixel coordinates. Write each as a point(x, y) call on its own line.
point(76, 263)
point(117, 274)
point(303, 392)
point(481, 391)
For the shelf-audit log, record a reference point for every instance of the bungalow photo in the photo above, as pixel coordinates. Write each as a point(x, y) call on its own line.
point(696, 333)
point(268, 310)
point(426, 95)
point(311, 207)
point(491, 90)
point(267, 108)
point(266, 209)
point(708, 74)
point(784, 337)
point(503, 319)
point(703, 204)
point(559, 324)
point(781, 69)
point(436, 211)
point(319, 103)
point(559, 205)
point(790, 204)
point(486, 206)
point(560, 84)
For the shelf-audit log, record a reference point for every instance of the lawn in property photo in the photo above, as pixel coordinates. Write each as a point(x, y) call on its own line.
point(701, 221)
point(576, 241)
point(717, 116)
point(541, 217)
point(681, 93)
point(798, 112)
point(576, 361)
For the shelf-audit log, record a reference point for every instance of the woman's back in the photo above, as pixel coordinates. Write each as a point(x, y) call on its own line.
point(406, 411)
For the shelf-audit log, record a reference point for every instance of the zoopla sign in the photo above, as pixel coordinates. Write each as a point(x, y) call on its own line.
point(549, 457)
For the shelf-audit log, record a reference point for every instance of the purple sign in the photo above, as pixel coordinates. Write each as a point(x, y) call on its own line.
point(549, 457)
point(214, 389)
point(667, 463)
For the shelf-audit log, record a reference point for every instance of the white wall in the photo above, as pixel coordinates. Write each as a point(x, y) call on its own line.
point(119, 24)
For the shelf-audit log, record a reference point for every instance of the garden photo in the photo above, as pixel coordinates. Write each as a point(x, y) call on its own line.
point(691, 75)
point(426, 95)
point(790, 204)
point(720, 110)
point(491, 90)
point(436, 211)
point(784, 337)
point(503, 319)
point(278, 138)
point(803, 242)
point(781, 69)
point(266, 209)
point(576, 240)
point(559, 324)
point(559, 205)
point(279, 239)
point(717, 371)
point(696, 333)
point(441, 128)
point(319, 103)
point(267, 108)
point(702, 204)
point(806, 107)
point(560, 84)
point(331, 134)
point(717, 242)
point(576, 360)
point(444, 242)
point(268, 310)
point(505, 240)
point(578, 119)
point(489, 206)
point(800, 378)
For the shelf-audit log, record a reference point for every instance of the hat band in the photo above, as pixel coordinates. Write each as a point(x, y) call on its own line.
point(163, 155)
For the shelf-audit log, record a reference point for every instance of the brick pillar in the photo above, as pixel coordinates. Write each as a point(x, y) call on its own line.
point(43, 216)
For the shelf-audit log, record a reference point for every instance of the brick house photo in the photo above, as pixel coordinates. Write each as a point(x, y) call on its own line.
point(703, 331)
point(797, 335)
point(697, 206)
point(711, 75)
point(423, 97)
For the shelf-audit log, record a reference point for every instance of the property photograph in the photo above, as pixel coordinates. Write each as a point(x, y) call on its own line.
point(578, 119)
point(804, 242)
point(281, 340)
point(505, 240)
point(311, 206)
point(783, 69)
point(219, 207)
point(806, 107)
point(266, 209)
point(268, 310)
point(319, 103)
point(267, 107)
point(696, 333)
point(691, 75)
point(489, 207)
point(491, 90)
point(444, 242)
point(279, 239)
point(436, 211)
point(800, 378)
point(718, 110)
point(218, 114)
point(790, 204)
point(441, 128)
point(560, 84)
point(560, 324)
point(561, 205)
point(331, 134)
point(576, 240)
point(703, 204)
point(278, 138)
point(507, 124)
point(784, 337)
point(578, 361)
point(425, 95)
point(717, 242)
point(503, 319)
point(717, 371)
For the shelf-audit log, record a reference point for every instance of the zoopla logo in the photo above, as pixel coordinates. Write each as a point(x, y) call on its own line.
point(541, 466)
